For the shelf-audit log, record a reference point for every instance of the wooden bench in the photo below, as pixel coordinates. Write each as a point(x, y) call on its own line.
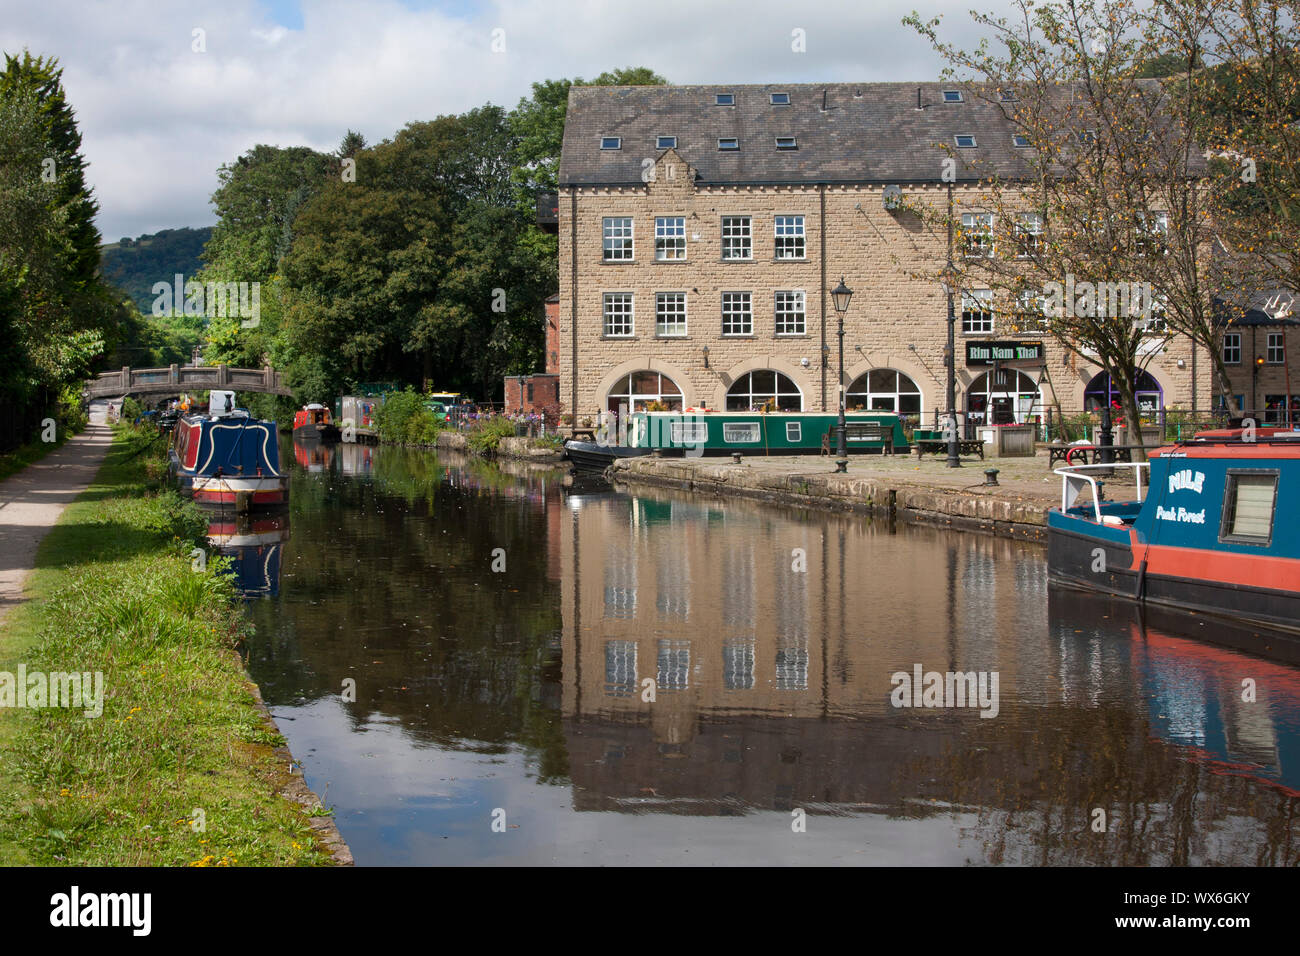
point(1086, 454)
point(859, 432)
point(939, 446)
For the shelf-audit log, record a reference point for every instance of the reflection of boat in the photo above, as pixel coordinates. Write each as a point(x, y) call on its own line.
point(313, 422)
point(228, 457)
point(313, 456)
point(253, 546)
point(1193, 691)
point(1214, 535)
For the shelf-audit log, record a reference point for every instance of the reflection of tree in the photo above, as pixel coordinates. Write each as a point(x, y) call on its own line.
point(387, 580)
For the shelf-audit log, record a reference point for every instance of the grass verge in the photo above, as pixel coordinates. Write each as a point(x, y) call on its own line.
point(180, 740)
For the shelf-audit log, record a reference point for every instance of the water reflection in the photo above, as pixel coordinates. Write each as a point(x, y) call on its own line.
point(253, 544)
point(657, 678)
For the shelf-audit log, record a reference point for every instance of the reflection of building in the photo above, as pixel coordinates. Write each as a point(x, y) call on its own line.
point(700, 229)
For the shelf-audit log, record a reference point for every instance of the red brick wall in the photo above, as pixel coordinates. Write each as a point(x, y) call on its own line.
point(545, 394)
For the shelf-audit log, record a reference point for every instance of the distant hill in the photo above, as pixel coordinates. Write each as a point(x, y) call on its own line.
point(134, 265)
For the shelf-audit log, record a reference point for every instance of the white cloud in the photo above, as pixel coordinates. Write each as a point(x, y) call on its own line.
point(158, 118)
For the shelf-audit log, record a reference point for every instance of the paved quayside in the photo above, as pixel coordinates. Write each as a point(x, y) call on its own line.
point(927, 490)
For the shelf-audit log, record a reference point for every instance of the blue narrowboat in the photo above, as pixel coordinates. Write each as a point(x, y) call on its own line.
point(226, 457)
point(1215, 534)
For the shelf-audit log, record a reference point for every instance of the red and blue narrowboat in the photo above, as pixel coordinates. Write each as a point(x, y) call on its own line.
point(226, 457)
point(1216, 532)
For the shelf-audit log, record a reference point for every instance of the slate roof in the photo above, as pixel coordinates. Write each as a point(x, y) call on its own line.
point(867, 133)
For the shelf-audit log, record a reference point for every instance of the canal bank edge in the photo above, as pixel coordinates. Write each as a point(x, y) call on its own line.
point(523, 449)
point(987, 511)
point(296, 789)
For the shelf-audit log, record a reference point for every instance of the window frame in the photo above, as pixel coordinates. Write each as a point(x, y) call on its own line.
point(780, 241)
point(659, 324)
point(749, 302)
point(659, 142)
point(958, 137)
point(616, 140)
point(1230, 501)
point(983, 297)
point(724, 99)
point(605, 300)
point(663, 237)
point(787, 143)
point(748, 237)
point(972, 250)
point(1270, 348)
point(802, 311)
point(724, 140)
point(772, 99)
point(953, 96)
point(1236, 345)
point(606, 238)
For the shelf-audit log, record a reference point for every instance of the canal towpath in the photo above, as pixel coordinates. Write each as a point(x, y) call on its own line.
point(32, 500)
point(924, 490)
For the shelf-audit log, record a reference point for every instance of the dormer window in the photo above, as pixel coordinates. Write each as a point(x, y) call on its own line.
point(728, 142)
point(1020, 141)
point(666, 142)
point(725, 99)
point(952, 96)
point(780, 99)
point(1007, 96)
point(611, 142)
point(786, 142)
point(965, 141)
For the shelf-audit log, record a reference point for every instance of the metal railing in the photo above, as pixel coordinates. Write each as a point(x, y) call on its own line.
point(1074, 479)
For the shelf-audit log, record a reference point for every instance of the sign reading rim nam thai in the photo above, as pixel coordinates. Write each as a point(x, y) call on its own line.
point(986, 353)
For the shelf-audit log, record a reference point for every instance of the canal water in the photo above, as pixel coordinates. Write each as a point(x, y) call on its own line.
point(478, 664)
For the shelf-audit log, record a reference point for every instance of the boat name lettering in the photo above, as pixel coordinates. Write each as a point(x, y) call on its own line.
point(1181, 514)
point(1186, 479)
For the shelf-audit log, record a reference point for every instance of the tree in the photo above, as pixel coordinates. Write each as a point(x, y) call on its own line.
point(1115, 199)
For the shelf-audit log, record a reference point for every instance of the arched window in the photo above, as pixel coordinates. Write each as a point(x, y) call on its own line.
point(1150, 397)
point(885, 390)
point(639, 389)
point(755, 389)
point(1002, 397)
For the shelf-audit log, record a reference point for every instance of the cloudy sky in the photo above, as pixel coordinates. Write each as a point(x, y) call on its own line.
point(158, 115)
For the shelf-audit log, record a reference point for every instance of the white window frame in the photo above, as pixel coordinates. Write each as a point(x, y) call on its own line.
point(670, 237)
point(616, 140)
point(973, 144)
point(1231, 346)
point(982, 248)
point(1031, 307)
point(977, 301)
point(629, 315)
point(1275, 345)
point(672, 142)
point(795, 304)
point(612, 233)
point(1029, 224)
point(740, 233)
point(688, 433)
point(736, 304)
point(661, 298)
point(795, 236)
point(741, 433)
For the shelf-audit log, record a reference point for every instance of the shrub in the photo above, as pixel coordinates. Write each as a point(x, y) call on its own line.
point(488, 434)
point(404, 419)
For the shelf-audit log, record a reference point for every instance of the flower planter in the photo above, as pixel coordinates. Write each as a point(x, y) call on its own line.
point(1009, 441)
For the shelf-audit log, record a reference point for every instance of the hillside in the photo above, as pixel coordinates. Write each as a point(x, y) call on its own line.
point(134, 265)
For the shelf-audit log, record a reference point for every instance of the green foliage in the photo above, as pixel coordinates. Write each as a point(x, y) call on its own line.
point(487, 435)
point(405, 419)
point(116, 593)
point(134, 265)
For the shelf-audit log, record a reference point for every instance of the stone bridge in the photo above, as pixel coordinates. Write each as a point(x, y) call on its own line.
point(180, 378)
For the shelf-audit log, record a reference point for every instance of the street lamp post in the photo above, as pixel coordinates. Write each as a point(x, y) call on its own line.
point(841, 295)
point(950, 278)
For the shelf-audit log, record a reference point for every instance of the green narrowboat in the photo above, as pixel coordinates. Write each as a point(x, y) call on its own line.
point(783, 433)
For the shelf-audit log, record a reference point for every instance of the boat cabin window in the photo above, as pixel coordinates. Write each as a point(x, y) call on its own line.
point(688, 433)
point(740, 432)
point(1249, 504)
point(793, 430)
